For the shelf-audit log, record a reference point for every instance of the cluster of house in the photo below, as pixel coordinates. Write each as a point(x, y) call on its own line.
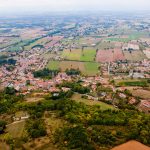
point(21, 77)
point(26, 82)
point(125, 70)
point(93, 81)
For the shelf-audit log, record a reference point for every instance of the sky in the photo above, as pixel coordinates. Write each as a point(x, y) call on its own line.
point(10, 6)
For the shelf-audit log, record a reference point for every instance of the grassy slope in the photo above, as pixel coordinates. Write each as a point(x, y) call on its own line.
point(16, 129)
point(103, 106)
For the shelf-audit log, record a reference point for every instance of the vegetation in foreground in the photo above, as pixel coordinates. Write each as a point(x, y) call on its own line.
point(83, 126)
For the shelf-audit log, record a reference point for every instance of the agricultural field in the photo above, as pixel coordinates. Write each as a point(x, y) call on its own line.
point(144, 94)
point(89, 41)
point(109, 55)
point(31, 33)
point(103, 106)
point(54, 65)
point(132, 83)
point(136, 55)
point(105, 45)
point(87, 68)
point(125, 40)
point(129, 36)
point(79, 55)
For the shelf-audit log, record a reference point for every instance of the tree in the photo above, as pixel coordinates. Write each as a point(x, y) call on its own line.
point(10, 90)
point(2, 126)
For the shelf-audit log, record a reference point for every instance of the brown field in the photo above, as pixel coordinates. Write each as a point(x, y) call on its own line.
point(109, 55)
point(136, 55)
point(132, 145)
point(72, 64)
point(144, 94)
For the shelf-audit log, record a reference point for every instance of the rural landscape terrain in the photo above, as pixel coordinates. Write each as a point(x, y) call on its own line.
point(75, 81)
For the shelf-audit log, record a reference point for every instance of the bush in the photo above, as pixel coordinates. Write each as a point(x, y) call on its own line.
point(36, 128)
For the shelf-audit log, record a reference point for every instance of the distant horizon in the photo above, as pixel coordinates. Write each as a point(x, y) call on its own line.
point(50, 6)
point(67, 13)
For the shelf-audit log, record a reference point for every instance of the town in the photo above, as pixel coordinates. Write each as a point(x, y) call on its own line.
point(98, 61)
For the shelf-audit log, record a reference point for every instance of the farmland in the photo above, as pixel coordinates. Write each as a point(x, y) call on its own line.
point(135, 55)
point(119, 39)
point(88, 41)
point(105, 45)
point(109, 55)
point(87, 68)
point(79, 55)
point(144, 94)
point(132, 82)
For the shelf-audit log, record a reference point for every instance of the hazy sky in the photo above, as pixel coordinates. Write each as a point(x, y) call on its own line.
point(69, 5)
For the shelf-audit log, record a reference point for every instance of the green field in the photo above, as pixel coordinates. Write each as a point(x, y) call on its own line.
point(131, 36)
point(91, 68)
point(141, 83)
point(88, 55)
point(86, 68)
point(79, 55)
point(119, 39)
point(103, 106)
point(54, 65)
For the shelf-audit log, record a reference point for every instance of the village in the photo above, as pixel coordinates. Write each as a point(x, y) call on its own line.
point(23, 81)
